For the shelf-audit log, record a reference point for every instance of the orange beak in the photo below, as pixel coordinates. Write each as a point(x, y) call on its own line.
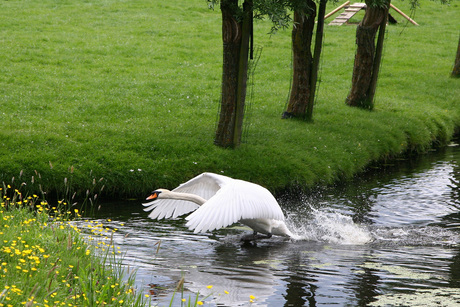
point(153, 196)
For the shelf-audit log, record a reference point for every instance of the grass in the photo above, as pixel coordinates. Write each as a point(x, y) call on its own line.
point(46, 261)
point(125, 95)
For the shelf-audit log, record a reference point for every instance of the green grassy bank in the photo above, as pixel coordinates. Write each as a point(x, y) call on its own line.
point(125, 95)
point(45, 260)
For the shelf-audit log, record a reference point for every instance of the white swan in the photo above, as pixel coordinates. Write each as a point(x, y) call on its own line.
point(219, 201)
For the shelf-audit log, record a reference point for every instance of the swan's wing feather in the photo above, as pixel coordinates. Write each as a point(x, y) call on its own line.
point(169, 208)
point(235, 201)
point(205, 185)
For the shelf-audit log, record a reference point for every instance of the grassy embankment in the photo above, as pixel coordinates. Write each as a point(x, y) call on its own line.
point(45, 260)
point(129, 92)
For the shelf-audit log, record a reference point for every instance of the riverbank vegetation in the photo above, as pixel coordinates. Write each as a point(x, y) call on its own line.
point(45, 260)
point(123, 97)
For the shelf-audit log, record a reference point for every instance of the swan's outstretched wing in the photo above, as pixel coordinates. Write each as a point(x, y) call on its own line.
point(169, 208)
point(236, 200)
point(205, 185)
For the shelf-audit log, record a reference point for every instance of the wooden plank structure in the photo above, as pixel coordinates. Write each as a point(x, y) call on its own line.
point(403, 15)
point(352, 9)
point(337, 9)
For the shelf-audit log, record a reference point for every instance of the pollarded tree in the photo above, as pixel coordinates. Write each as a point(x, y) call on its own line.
point(305, 61)
point(236, 32)
point(368, 54)
point(236, 24)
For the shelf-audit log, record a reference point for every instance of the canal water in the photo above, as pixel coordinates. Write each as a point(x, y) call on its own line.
point(388, 238)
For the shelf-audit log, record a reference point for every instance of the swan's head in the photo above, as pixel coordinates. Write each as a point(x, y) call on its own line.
point(156, 194)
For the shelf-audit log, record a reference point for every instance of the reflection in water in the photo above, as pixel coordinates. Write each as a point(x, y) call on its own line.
point(390, 236)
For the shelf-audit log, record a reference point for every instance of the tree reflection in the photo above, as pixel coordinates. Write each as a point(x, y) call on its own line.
point(455, 179)
point(365, 287)
point(454, 219)
point(298, 294)
point(454, 279)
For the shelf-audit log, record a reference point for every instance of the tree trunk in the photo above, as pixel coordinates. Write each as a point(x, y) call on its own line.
point(368, 56)
point(302, 33)
point(316, 58)
point(456, 70)
point(377, 58)
point(242, 71)
point(235, 37)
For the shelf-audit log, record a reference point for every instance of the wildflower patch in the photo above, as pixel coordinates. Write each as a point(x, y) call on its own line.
point(45, 260)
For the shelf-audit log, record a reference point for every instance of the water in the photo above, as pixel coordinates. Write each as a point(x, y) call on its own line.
point(388, 238)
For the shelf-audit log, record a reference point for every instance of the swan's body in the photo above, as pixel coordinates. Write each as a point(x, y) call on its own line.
point(219, 201)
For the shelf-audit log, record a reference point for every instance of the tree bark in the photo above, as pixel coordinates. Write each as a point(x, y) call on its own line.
point(235, 37)
point(231, 37)
point(316, 58)
point(456, 70)
point(368, 56)
point(302, 34)
point(242, 71)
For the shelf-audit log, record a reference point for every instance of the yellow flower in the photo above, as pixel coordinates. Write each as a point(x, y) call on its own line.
point(226, 292)
point(209, 287)
point(199, 303)
point(183, 300)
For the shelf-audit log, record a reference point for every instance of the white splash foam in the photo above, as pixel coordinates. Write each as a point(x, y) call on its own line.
point(325, 225)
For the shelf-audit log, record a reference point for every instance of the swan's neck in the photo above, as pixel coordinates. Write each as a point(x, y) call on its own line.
point(183, 196)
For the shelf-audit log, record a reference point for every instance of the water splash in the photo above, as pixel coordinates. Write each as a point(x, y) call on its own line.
point(329, 226)
point(325, 225)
